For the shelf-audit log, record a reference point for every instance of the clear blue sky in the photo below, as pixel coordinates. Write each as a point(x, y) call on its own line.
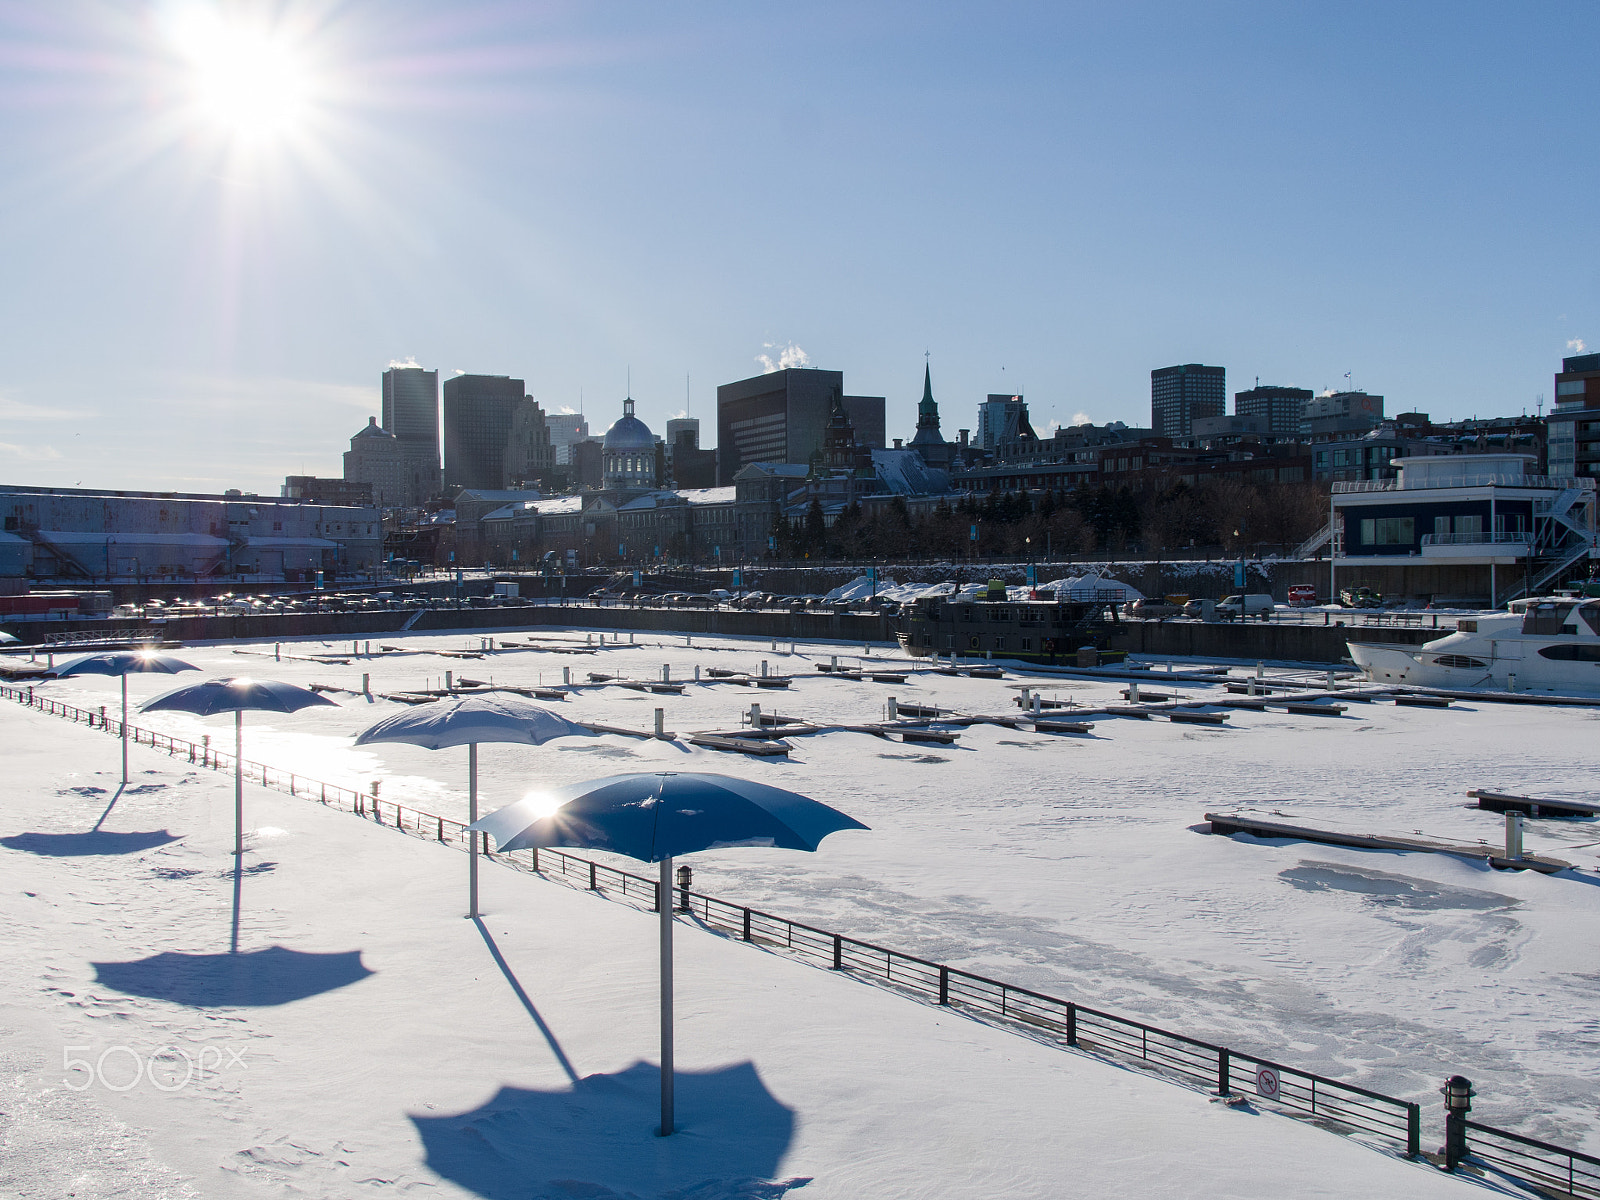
point(1052, 198)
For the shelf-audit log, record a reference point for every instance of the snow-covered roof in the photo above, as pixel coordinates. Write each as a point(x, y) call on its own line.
point(296, 543)
point(904, 473)
point(557, 505)
point(716, 495)
point(507, 512)
point(118, 537)
point(504, 495)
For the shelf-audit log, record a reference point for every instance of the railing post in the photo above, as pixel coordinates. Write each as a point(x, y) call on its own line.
point(535, 858)
point(441, 828)
point(838, 952)
point(1223, 1072)
point(1072, 1024)
point(593, 886)
point(747, 924)
point(1414, 1130)
point(944, 985)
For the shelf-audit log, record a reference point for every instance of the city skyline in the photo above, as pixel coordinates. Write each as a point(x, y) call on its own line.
point(206, 297)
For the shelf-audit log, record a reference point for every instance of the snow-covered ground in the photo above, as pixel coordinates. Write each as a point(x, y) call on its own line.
point(1064, 864)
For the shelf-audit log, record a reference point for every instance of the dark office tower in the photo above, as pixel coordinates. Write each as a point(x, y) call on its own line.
point(866, 415)
point(779, 417)
point(1180, 394)
point(478, 423)
point(411, 414)
point(1279, 408)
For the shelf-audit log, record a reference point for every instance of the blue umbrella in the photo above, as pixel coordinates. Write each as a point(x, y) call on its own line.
point(467, 721)
point(652, 817)
point(215, 696)
point(124, 663)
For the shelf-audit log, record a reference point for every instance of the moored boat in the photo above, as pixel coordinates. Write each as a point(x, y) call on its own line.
point(1542, 644)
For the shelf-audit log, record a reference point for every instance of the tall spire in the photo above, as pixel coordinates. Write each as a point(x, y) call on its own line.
point(927, 412)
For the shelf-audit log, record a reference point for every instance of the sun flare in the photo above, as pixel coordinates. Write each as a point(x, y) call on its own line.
point(542, 804)
point(246, 80)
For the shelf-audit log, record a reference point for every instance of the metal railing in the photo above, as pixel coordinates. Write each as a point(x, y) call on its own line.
point(1478, 539)
point(1488, 479)
point(1546, 1166)
point(1342, 1107)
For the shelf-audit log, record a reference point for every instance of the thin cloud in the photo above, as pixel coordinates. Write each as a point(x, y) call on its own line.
point(1577, 344)
point(18, 410)
point(30, 453)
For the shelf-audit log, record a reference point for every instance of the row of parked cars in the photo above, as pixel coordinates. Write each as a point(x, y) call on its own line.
point(749, 600)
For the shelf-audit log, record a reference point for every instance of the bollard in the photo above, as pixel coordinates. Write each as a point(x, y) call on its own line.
point(366, 686)
point(697, 672)
point(1261, 669)
point(277, 652)
point(1133, 693)
point(834, 661)
point(1511, 682)
point(1036, 705)
point(566, 676)
point(763, 668)
point(755, 716)
point(369, 649)
point(666, 672)
point(661, 723)
point(630, 638)
point(449, 681)
point(1250, 687)
point(774, 645)
point(894, 709)
point(1514, 836)
point(355, 649)
point(1332, 679)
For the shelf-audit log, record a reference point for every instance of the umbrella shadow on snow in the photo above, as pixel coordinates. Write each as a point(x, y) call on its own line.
point(257, 978)
point(597, 1139)
point(76, 845)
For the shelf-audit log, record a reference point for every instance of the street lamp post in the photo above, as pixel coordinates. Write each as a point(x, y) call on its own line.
point(1458, 1095)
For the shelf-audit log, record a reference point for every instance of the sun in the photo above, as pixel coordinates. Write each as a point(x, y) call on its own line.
point(246, 80)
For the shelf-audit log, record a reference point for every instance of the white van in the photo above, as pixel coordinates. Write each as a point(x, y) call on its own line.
point(1252, 604)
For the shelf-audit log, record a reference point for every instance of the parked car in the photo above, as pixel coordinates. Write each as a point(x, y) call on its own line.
point(1360, 597)
point(1250, 604)
point(1153, 610)
point(1302, 595)
point(1199, 610)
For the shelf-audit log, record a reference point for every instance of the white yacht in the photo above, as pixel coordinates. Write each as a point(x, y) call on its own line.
point(1544, 644)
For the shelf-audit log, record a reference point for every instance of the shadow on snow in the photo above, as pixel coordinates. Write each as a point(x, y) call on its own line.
point(597, 1140)
point(257, 978)
point(73, 845)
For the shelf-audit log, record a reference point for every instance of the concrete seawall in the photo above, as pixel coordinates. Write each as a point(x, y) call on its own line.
point(1238, 639)
point(1258, 640)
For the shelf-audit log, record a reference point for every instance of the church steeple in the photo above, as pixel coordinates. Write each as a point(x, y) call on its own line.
point(927, 412)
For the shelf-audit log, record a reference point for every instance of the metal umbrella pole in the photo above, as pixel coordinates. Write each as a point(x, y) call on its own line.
point(124, 731)
point(664, 902)
point(472, 835)
point(238, 781)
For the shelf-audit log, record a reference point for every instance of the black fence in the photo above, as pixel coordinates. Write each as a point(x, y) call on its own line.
point(1225, 1071)
point(1550, 1168)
